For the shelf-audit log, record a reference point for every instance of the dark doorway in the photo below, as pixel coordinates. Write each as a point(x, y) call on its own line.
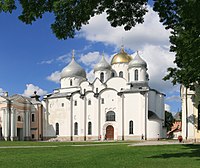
point(110, 132)
point(20, 134)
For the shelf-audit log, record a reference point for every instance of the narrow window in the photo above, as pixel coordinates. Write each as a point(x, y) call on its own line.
point(136, 75)
point(97, 90)
point(62, 104)
point(112, 74)
point(33, 136)
point(84, 91)
point(89, 102)
point(102, 77)
point(110, 116)
point(75, 103)
point(75, 128)
point(102, 101)
point(89, 128)
point(57, 128)
point(121, 74)
point(70, 82)
point(18, 118)
point(199, 117)
point(131, 127)
point(33, 117)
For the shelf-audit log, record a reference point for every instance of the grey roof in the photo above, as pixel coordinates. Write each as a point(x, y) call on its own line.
point(102, 65)
point(73, 69)
point(137, 62)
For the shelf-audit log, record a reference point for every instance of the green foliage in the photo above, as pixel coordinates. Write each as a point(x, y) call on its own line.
point(71, 15)
point(183, 19)
point(169, 120)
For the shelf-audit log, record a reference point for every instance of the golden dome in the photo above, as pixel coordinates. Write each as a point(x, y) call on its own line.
point(121, 57)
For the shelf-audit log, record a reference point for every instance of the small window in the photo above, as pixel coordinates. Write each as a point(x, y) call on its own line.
point(131, 127)
point(75, 128)
point(97, 90)
point(33, 136)
point(70, 82)
point(136, 75)
point(121, 74)
point(75, 103)
point(102, 101)
point(62, 104)
point(33, 117)
point(57, 128)
point(89, 102)
point(102, 77)
point(89, 128)
point(19, 118)
point(84, 91)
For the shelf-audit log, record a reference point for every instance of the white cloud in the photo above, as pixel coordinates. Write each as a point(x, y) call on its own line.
point(30, 89)
point(1, 91)
point(173, 98)
point(90, 76)
point(90, 58)
point(47, 62)
point(150, 32)
point(55, 77)
point(64, 58)
point(167, 107)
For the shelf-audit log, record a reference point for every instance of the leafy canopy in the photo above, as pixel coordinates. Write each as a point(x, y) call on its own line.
point(71, 15)
point(182, 17)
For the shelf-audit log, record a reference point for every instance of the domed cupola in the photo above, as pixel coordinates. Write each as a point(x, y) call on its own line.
point(137, 62)
point(102, 70)
point(121, 57)
point(73, 69)
point(137, 70)
point(102, 65)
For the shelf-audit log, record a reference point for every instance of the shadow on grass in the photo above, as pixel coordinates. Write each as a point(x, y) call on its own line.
point(189, 150)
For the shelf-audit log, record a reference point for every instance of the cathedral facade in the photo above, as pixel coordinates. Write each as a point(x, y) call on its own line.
point(117, 105)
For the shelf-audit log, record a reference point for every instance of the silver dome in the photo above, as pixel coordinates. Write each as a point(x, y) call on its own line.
point(137, 62)
point(73, 69)
point(102, 65)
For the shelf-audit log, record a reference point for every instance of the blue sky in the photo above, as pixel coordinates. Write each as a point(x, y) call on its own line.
point(32, 57)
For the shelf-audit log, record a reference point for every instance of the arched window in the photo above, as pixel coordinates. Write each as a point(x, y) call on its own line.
point(136, 75)
point(70, 82)
point(89, 102)
point(33, 117)
point(102, 77)
point(131, 127)
point(121, 74)
point(97, 90)
point(75, 128)
point(89, 128)
point(110, 116)
point(57, 128)
point(19, 118)
point(199, 117)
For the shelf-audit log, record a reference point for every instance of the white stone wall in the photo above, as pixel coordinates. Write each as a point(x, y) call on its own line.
point(107, 74)
point(121, 67)
point(117, 83)
point(65, 82)
point(141, 74)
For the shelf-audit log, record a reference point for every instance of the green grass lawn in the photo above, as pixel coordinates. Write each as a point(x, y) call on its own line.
point(106, 155)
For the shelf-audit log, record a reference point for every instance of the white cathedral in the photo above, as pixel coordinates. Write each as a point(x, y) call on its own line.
point(117, 105)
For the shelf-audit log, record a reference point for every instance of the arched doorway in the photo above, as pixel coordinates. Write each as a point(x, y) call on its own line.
point(109, 132)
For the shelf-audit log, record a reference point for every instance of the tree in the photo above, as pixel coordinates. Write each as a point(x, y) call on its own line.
point(182, 17)
point(169, 120)
point(71, 15)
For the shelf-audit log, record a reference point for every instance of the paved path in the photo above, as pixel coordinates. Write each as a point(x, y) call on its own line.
point(150, 143)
